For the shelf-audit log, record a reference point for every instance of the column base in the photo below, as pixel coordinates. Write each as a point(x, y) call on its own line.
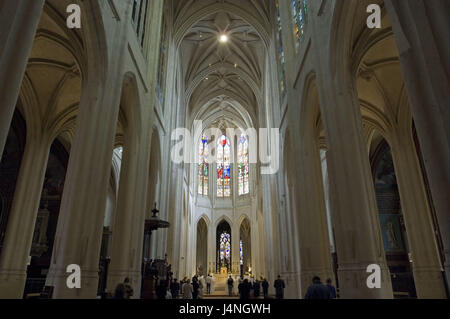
point(353, 282)
point(293, 289)
point(429, 283)
point(58, 279)
point(12, 284)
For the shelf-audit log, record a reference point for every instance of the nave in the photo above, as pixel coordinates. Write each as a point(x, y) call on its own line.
point(257, 138)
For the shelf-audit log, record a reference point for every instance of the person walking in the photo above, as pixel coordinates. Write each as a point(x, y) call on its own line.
point(188, 290)
point(279, 287)
point(331, 288)
point(230, 284)
point(318, 290)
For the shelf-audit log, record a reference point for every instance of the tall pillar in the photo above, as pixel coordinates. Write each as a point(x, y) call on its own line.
point(352, 195)
point(235, 255)
point(22, 218)
point(315, 252)
point(80, 223)
point(417, 215)
point(128, 233)
point(269, 230)
point(19, 21)
point(422, 30)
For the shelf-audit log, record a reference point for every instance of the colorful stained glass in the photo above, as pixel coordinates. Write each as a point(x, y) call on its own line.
point(300, 18)
point(225, 248)
point(203, 167)
point(243, 165)
point(223, 167)
point(241, 253)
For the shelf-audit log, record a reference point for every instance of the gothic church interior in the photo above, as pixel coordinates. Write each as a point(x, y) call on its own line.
point(353, 170)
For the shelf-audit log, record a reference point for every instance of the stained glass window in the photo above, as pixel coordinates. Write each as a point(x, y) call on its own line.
point(225, 248)
point(203, 167)
point(241, 253)
point(300, 18)
point(223, 167)
point(281, 55)
point(243, 165)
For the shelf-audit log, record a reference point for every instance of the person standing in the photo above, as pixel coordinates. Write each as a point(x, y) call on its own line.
point(188, 290)
point(175, 289)
point(317, 290)
point(245, 289)
point(256, 289)
point(195, 286)
point(331, 288)
point(279, 287)
point(200, 288)
point(208, 284)
point(128, 289)
point(161, 289)
point(119, 293)
point(230, 284)
point(265, 286)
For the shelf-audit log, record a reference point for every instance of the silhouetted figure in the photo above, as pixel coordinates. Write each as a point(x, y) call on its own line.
point(257, 288)
point(331, 288)
point(265, 286)
point(279, 288)
point(230, 284)
point(175, 289)
point(161, 290)
point(244, 289)
point(195, 286)
point(318, 290)
point(119, 293)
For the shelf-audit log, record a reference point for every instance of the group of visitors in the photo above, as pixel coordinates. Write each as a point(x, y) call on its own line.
point(320, 291)
point(186, 288)
point(249, 287)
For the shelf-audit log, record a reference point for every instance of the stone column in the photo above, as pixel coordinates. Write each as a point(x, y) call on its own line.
point(128, 234)
point(80, 223)
point(352, 195)
point(422, 30)
point(269, 230)
point(22, 218)
point(19, 21)
point(235, 252)
point(315, 252)
point(417, 215)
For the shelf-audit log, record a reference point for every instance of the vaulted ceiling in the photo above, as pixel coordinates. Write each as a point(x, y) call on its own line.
point(225, 77)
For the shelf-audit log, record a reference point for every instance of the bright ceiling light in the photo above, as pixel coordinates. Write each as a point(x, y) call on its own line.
point(223, 38)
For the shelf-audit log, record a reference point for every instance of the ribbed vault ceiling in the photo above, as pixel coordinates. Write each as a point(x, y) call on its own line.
point(214, 72)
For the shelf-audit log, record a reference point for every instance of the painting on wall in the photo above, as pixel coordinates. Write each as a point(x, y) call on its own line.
point(392, 233)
